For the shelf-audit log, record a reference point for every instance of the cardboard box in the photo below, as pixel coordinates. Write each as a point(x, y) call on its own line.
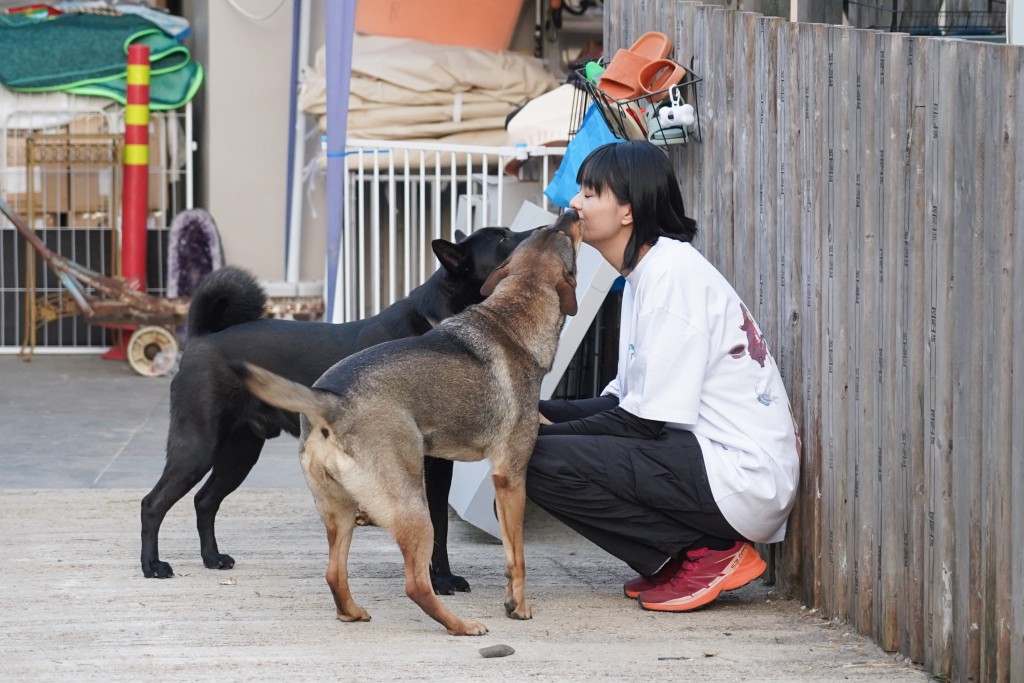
point(48, 183)
point(92, 187)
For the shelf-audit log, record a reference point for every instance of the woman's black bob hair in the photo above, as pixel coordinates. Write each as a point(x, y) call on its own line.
point(640, 174)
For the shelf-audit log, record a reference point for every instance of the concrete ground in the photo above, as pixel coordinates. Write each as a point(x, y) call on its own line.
point(83, 441)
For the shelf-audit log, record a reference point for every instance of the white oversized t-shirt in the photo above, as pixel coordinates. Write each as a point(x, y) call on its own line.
point(691, 355)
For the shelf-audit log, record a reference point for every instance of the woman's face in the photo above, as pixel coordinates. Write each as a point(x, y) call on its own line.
point(606, 222)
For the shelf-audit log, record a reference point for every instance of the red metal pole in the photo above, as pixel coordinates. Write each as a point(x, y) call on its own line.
point(136, 169)
point(135, 195)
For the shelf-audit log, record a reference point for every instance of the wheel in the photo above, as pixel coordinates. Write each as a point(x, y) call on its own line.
point(152, 351)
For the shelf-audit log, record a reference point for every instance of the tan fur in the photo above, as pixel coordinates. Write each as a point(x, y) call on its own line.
point(465, 391)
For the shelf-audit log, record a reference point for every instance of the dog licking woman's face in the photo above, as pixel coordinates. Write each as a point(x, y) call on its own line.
point(607, 224)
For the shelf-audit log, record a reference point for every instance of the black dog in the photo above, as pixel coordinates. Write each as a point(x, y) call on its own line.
point(217, 424)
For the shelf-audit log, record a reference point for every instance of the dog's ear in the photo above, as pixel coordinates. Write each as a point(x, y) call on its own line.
point(450, 255)
point(496, 276)
point(566, 289)
point(459, 235)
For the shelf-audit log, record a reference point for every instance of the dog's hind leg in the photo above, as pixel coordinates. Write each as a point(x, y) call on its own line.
point(410, 525)
point(510, 495)
point(188, 461)
point(339, 521)
point(238, 453)
point(437, 474)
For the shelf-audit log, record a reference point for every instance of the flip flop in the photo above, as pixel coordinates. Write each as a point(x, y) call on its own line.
point(658, 76)
point(652, 45)
point(620, 80)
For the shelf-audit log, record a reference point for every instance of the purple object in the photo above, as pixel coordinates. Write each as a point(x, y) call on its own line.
point(340, 29)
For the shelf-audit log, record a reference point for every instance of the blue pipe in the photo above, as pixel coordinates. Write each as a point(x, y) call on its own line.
point(340, 32)
point(292, 114)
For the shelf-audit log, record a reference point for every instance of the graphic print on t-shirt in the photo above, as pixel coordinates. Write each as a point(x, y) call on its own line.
point(755, 342)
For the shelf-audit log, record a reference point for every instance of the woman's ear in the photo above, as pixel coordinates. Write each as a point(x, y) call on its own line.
point(627, 214)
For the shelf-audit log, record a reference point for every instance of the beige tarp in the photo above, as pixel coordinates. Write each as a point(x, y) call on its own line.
point(406, 89)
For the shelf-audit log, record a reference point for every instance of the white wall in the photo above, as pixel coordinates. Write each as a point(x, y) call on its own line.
point(243, 136)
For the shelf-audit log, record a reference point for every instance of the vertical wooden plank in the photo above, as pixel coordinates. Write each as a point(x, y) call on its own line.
point(720, 135)
point(892, 91)
point(689, 161)
point(796, 572)
point(645, 18)
point(702, 160)
point(847, 224)
point(913, 315)
point(860, 177)
point(965, 434)
point(834, 284)
point(875, 184)
point(817, 462)
point(940, 142)
point(741, 275)
point(615, 16)
point(1016, 479)
point(764, 189)
point(969, 211)
point(996, 298)
point(763, 193)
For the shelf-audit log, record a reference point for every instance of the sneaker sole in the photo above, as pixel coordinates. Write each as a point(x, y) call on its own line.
point(744, 574)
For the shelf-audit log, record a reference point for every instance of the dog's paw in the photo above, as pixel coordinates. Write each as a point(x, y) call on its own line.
point(514, 611)
point(468, 628)
point(218, 562)
point(448, 584)
point(157, 570)
point(357, 614)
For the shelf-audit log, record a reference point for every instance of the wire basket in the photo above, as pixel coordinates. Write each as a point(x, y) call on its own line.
point(644, 117)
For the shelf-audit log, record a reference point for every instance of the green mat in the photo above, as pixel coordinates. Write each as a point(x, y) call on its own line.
point(87, 54)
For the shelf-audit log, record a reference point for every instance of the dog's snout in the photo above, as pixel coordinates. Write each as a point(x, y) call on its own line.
point(568, 223)
point(565, 221)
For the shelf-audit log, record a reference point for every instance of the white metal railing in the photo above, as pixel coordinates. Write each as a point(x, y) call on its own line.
point(399, 196)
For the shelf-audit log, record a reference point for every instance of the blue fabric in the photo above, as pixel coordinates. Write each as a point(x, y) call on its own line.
point(593, 133)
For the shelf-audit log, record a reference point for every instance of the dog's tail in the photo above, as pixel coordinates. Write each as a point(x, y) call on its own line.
point(225, 297)
point(283, 393)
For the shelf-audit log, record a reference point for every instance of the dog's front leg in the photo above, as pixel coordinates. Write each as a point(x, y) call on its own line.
point(510, 495)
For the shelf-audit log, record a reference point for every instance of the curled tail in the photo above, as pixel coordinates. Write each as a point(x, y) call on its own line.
point(225, 297)
point(319, 406)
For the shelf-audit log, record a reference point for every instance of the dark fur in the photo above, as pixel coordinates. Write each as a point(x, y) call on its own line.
point(216, 424)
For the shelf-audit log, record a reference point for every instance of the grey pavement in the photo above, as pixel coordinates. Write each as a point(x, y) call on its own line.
point(82, 440)
point(78, 421)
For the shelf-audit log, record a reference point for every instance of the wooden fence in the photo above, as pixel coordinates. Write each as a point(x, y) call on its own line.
point(862, 191)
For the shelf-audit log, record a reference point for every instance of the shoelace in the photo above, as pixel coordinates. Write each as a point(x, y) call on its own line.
point(692, 561)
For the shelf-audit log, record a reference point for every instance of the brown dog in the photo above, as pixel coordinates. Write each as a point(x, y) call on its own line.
point(466, 390)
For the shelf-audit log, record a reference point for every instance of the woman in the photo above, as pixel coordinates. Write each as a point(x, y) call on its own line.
point(691, 452)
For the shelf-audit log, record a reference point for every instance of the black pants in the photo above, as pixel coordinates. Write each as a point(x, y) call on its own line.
point(642, 500)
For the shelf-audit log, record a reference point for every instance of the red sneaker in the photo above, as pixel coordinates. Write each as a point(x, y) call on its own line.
point(634, 587)
point(703, 575)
